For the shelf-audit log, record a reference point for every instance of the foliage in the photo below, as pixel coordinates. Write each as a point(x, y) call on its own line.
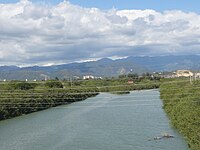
point(17, 102)
point(25, 86)
point(15, 85)
point(17, 98)
point(121, 92)
point(182, 104)
point(54, 84)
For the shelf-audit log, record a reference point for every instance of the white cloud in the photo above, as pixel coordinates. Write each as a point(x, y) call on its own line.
point(41, 34)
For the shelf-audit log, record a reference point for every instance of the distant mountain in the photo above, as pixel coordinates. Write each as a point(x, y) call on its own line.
point(104, 67)
point(168, 63)
point(9, 68)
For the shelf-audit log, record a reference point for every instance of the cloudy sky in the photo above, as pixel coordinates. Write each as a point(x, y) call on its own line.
point(41, 32)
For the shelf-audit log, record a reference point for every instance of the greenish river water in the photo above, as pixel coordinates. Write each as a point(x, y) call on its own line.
point(104, 122)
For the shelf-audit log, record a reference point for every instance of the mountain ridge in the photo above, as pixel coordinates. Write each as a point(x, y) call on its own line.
point(104, 67)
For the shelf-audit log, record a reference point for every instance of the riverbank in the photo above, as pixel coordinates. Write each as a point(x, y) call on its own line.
point(120, 92)
point(18, 98)
point(182, 104)
point(18, 102)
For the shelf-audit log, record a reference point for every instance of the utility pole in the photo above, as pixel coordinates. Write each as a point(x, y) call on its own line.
point(71, 81)
point(190, 79)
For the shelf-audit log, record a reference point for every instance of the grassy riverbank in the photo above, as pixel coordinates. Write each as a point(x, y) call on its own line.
point(18, 98)
point(182, 104)
point(16, 103)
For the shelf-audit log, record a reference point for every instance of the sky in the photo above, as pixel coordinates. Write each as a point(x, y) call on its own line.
point(47, 32)
point(161, 5)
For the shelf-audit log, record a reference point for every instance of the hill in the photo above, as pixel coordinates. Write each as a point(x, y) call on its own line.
point(104, 67)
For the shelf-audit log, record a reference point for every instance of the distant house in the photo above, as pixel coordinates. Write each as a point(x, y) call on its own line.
point(184, 73)
point(197, 75)
point(168, 75)
point(87, 77)
point(98, 77)
point(130, 82)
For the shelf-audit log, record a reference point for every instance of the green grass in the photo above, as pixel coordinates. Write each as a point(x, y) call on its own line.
point(182, 104)
point(17, 98)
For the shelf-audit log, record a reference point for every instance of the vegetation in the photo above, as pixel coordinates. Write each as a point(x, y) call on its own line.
point(17, 98)
point(121, 92)
point(15, 85)
point(182, 104)
point(54, 84)
point(122, 83)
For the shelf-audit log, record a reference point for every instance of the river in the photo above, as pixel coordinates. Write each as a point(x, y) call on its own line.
point(104, 122)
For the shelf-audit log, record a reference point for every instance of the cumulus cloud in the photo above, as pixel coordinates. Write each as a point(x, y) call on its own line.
point(33, 34)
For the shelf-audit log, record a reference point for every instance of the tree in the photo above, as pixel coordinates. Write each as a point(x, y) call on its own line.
point(21, 85)
point(56, 78)
point(54, 84)
point(133, 76)
point(122, 76)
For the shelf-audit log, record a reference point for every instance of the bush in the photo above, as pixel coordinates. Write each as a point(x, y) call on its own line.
point(181, 102)
point(21, 85)
point(54, 84)
point(25, 86)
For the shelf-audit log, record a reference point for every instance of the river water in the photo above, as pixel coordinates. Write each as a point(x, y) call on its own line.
point(104, 122)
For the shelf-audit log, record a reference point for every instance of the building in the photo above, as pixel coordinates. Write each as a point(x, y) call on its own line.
point(130, 82)
point(184, 73)
point(87, 77)
point(197, 75)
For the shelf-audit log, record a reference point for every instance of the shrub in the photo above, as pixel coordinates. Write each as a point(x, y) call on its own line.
point(53, 84)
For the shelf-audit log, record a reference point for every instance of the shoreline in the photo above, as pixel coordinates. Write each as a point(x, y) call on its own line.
point(18, 107)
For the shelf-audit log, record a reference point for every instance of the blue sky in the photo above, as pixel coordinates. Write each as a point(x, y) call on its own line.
point(158, 5)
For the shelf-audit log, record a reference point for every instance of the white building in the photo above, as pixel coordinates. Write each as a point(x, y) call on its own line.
point(87, 77)
point(184, 73)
